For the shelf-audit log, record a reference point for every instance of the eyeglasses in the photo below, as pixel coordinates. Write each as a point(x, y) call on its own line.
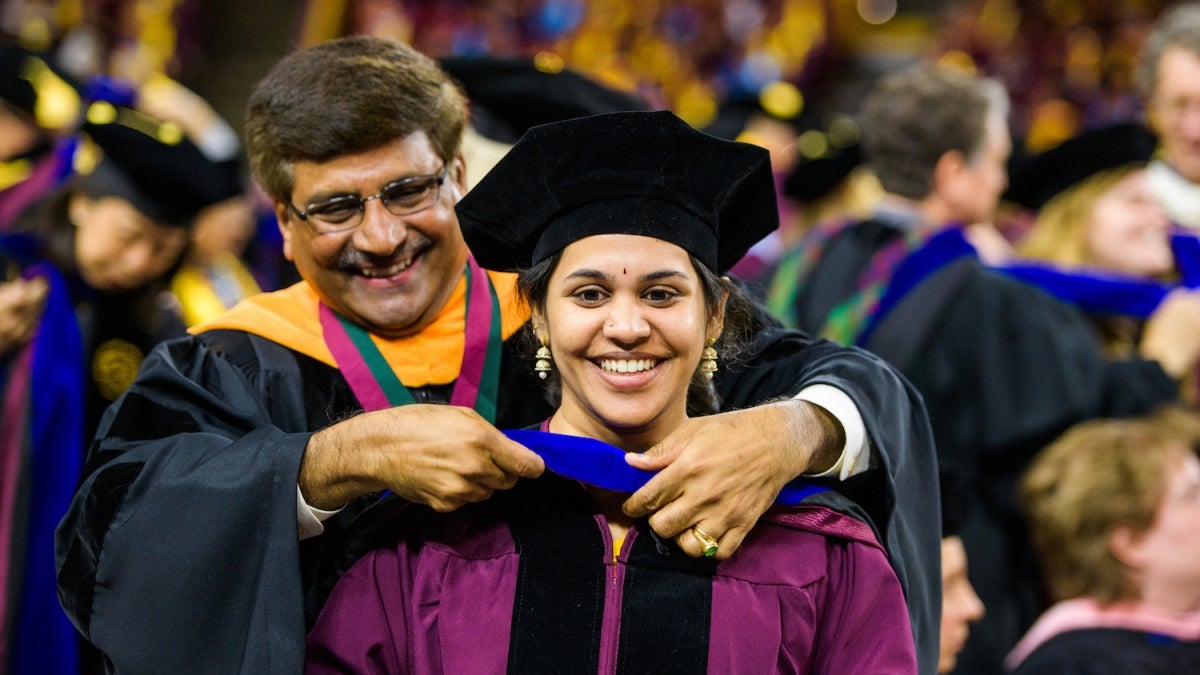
point(400, 197)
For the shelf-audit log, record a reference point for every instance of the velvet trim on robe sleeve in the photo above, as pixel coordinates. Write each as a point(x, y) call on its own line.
point(179, 552)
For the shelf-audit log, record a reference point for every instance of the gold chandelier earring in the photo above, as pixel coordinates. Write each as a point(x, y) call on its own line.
point(543, 362)
point(708, 360)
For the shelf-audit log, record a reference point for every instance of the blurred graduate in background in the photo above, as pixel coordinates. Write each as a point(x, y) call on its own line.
point(40, 109)
point(1102, 241)
point(102, 246)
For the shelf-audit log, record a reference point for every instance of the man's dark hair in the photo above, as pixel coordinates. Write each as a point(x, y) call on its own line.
point(346, 96)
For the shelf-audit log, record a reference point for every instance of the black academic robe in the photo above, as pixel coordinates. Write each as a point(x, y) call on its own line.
point(1003, 369)
point(1112, 651)
point(180, 554)
point(118, 331)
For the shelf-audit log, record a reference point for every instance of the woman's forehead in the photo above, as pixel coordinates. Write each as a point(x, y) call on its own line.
point(632, 248)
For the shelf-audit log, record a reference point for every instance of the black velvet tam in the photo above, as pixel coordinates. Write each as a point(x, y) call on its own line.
point(1035, 180)
point(510, 95)
point(152, 165)
point(814, 178)
point(34, 88)
point(643, 173)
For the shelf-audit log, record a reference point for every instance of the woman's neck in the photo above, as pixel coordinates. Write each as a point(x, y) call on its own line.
point(1172, 598)
point(609, 503)
point(641, 439)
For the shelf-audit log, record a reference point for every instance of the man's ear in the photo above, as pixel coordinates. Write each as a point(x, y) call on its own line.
point(458, 175)
point(1126, 546)
point(282, 219)
point(947, 170)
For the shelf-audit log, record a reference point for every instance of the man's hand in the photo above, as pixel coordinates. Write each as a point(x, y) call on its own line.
point(1172, 333)
point(721, 472)
point(21, 302)
point(440, 455)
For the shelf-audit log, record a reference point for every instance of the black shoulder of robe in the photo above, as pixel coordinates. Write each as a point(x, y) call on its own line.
point(1111, 651)
point(179, 552)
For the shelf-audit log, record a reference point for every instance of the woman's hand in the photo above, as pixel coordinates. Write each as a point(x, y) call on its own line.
point(1172, 333)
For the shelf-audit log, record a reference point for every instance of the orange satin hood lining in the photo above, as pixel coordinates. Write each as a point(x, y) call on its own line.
point(432, 357)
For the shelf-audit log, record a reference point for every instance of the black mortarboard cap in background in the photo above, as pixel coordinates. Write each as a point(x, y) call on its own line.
point(510, 95)
point(733, 116)
point(820, 170)
point(643, 173)
point(778, 101)
point(1035, 180)
point(812, 179)
point(151, 164)
point(34, 88)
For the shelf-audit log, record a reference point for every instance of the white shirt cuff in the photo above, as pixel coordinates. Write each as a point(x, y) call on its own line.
point(309, 518)
point(856, 453)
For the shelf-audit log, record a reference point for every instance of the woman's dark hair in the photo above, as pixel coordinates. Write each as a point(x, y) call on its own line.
point(49, 221)
point(534, 284)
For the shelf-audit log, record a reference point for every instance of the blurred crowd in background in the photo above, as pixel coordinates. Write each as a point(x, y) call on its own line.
point(1068, 65)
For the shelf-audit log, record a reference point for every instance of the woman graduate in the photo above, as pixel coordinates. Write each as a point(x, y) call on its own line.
point(115, 232)
point(102, 246)
point(620, 241)
point(1103, 242)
